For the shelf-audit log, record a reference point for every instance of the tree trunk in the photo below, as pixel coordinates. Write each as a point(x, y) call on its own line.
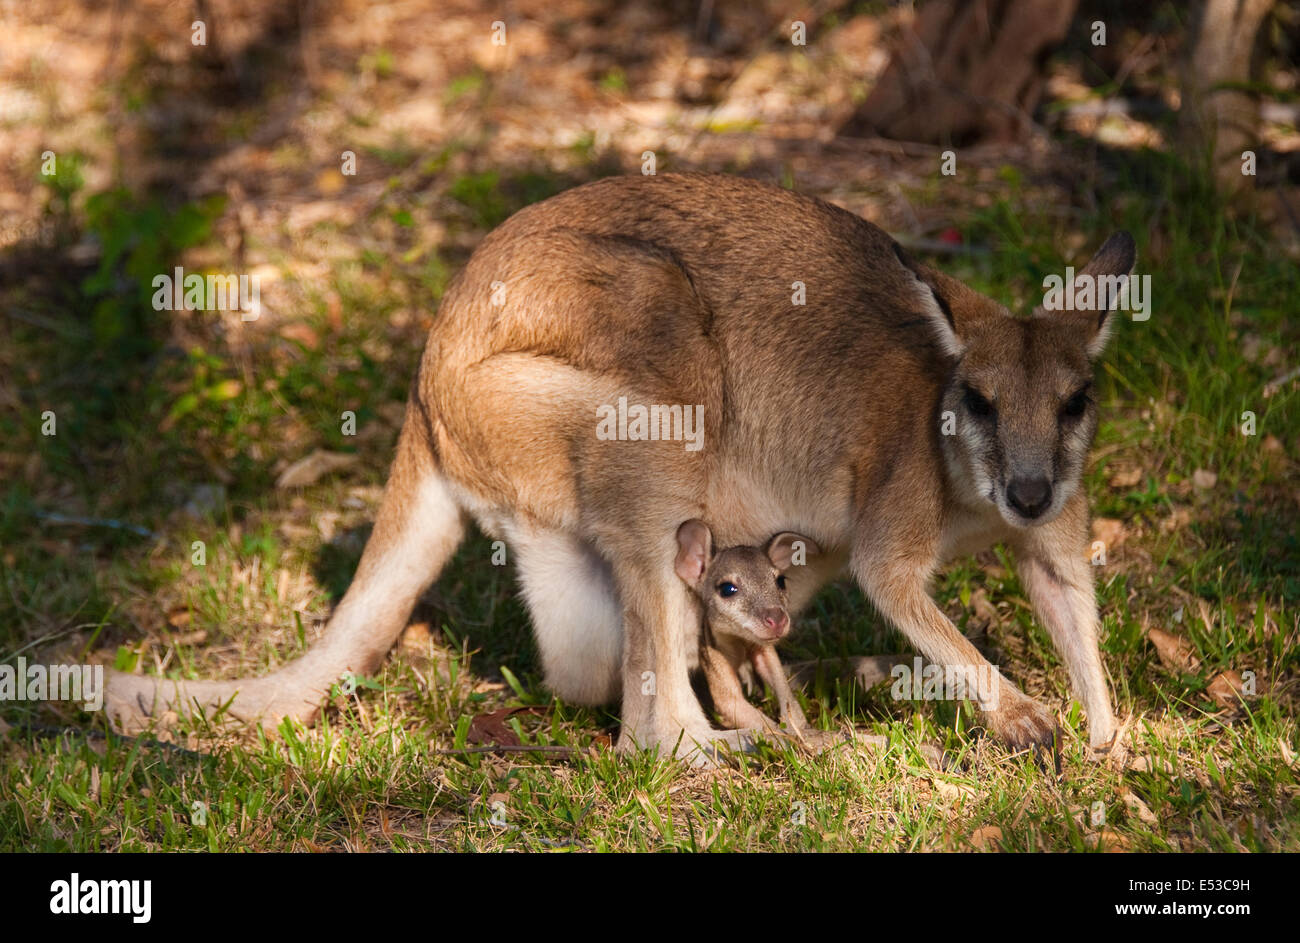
point(1218, 123)
point(965, 70)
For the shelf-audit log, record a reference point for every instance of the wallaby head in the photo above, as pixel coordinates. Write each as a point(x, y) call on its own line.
point(742, 589)
point(1018, 412)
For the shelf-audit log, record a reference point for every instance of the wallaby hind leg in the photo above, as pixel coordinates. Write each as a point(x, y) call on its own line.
point(576, 618)
point(660, 709)
point(418, 527)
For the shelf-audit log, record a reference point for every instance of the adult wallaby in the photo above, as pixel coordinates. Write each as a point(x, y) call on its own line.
point(826, 417)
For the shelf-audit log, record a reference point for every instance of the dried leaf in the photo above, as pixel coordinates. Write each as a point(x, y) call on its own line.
point(1109, 531)
point(1225, 688)
point(309, 470)
point(302, 333)
point(984, 610)
point(952, 792)
point(1109, 840)
point(1146, 764)
point(1288, 755)
point(1176, 653)
point(1139, 808)
point(417, 635)
point(1126, 479)
point(491, 729)
point(986, 837)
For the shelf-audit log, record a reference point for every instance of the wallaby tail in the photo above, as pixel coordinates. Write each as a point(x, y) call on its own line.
point(418, 528)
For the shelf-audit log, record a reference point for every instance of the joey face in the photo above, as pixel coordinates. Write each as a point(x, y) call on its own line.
point(1018, 410)
point(744, 596)
point(742, 589)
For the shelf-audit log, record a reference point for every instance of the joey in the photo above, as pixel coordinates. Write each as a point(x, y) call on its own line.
point(742, 591)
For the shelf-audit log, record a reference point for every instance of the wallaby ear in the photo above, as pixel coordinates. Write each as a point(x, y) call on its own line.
point(694, 550)
point(951, 307)
point(1107, 273)
point(788, 549)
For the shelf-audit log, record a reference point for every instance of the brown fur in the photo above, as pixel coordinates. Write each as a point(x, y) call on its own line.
point(823, 419)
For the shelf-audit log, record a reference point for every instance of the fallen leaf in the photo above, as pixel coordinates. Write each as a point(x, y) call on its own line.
point(1177, 520)
point(491, 729)
point(1146, 764)
point(1288, 755)
point(1139, 808)
point(1109, 531)
point(952, 792)
point(1176, 653)
point(986, 837)
point(1225, 688)
point(330, 181)
point(1109, 840)
point(1203, 478)
point(1207, 620)
point(178, 617)
point(985, 612)
point(417, 635)
point(309, 470)
point(1126, 479)
point(297, 331)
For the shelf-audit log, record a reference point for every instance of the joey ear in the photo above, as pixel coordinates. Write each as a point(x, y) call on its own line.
point(783, 549)
point(1106, 274)
point(694, 550)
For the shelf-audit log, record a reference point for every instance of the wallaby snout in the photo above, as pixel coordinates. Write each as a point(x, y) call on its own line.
point(1029, 496)
point(777, 622)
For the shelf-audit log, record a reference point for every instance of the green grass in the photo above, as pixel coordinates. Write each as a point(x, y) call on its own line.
point(381, 771)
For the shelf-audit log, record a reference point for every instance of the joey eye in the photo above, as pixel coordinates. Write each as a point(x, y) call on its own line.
point(977, 405)
point(727, 589)
point(780, 581)
point(1076, 405)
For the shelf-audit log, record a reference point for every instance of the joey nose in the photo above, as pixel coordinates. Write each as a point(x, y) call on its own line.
point(1029, 496)
point(776, 621)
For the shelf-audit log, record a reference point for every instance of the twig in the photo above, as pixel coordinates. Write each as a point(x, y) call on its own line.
point(50, 731)
point(55, 518)
point(513, 748)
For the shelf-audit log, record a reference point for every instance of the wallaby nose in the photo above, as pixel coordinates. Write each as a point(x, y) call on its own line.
point(776, 621)
point(1029, 496)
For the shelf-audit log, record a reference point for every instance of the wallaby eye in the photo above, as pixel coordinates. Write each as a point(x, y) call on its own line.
point(977, 405)
point(1076, 405)
point(727, 589)
point(780, 581)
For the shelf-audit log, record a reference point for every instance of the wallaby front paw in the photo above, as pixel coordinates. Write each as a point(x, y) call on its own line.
point(819, 741)
point(1022, 723)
